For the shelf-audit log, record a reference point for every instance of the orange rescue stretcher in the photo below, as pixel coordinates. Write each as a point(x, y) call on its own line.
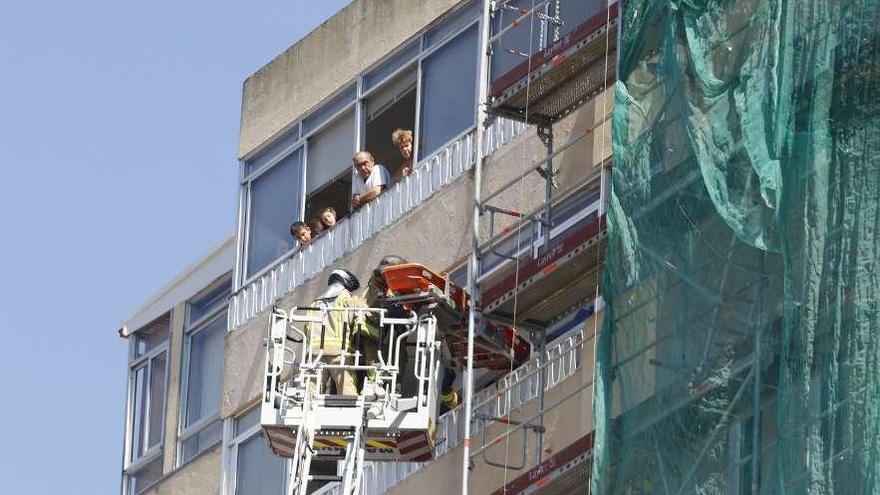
point(496, 347)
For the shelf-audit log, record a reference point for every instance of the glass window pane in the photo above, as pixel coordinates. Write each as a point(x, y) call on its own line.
point(278, 147)
point(391, 92)
point(330, 152)
point(157, 398)
point(260, 472)
point(452, 24)
point(247, 421)
point(449, 93)
point(204, 439)
point(152, 335)
point(397, 61)
point(515, 39)
point(209, 302)
point(139, 412)
point(329, 109)
point(574, 205)
point(574, 14)
point(145, 476)
point(204, 374)
point(276, 199)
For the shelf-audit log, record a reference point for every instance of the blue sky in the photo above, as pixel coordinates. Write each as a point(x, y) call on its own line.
point(118, 130)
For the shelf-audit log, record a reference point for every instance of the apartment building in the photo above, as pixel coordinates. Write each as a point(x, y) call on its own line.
point(198, 348)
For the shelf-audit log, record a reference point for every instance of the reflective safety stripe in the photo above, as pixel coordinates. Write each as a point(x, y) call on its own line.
point(449, 399)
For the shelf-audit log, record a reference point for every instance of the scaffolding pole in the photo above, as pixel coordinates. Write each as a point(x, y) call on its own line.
point(482, 120)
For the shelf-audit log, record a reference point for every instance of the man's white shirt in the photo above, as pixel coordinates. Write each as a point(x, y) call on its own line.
point(378, 177)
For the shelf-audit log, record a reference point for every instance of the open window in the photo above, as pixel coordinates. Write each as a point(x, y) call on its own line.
point(328, 168)
point(391, 107)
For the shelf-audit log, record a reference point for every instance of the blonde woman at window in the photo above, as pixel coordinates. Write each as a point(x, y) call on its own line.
point(403, 139)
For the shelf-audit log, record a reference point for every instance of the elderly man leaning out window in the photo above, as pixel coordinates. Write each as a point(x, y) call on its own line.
point(369, 180)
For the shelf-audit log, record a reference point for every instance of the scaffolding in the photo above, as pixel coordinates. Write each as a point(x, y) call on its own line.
point(736, 355)
point(546, 87)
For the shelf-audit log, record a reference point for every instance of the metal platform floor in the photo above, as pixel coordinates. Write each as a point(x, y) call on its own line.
point(563, 76)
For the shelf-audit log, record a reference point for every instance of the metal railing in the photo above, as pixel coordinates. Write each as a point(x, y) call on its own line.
point(561, 360)
point(429, 176)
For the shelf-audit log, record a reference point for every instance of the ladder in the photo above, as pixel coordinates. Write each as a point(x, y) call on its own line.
point(353, 463)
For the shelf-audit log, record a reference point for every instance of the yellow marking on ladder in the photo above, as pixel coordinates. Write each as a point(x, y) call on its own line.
point(330, 442)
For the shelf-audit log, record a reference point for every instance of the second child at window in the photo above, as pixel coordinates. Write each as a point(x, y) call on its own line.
point(369, 180)
point(317, 226)
point(302, 233)
point(327, 217)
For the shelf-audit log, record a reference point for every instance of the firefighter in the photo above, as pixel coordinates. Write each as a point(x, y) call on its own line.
point(339, 332)
point(374, 297)
point(449, 398)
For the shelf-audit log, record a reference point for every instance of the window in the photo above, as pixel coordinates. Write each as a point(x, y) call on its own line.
point(392, 65)
point(509, 50)
point(200, 426)
point(275, 203)
point(741, 440)
point(279, 147)
point(391, 107)
point(256, 470)
point(574, 14)
point(328, 167)
point(428, 85)
point(452, 24)
point(449, 92)
point(147, 388)
point(329, 109)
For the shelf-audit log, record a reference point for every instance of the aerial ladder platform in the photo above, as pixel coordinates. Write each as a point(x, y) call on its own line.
point(393, 417)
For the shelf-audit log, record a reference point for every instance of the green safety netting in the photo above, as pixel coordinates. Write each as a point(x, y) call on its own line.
point(740, 351)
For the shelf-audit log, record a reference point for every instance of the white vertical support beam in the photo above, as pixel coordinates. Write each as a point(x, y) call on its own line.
point(482, 120)
point(604, 189)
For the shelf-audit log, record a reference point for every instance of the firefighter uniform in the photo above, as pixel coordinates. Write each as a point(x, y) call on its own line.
point(337, 336)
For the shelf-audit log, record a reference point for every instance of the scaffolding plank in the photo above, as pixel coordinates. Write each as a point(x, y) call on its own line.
point(561, 278)
point(566, 472)
point(563, 76)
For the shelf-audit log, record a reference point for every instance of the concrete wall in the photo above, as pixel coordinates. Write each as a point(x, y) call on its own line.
point(322, 62)
point(201, 476)
point(436, 233)
point(172, 400)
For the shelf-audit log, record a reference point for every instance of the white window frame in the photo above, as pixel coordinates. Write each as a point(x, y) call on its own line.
point(231, 443)
point(296, 129)
point(190, 330)
point(131, 465)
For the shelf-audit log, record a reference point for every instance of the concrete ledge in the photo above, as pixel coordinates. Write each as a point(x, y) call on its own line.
point(199, 476)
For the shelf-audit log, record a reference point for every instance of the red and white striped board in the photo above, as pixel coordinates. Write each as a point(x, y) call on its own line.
point(382, 445)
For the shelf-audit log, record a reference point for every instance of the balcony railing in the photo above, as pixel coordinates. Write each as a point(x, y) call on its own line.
point(432, 174)
point(561, 361)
